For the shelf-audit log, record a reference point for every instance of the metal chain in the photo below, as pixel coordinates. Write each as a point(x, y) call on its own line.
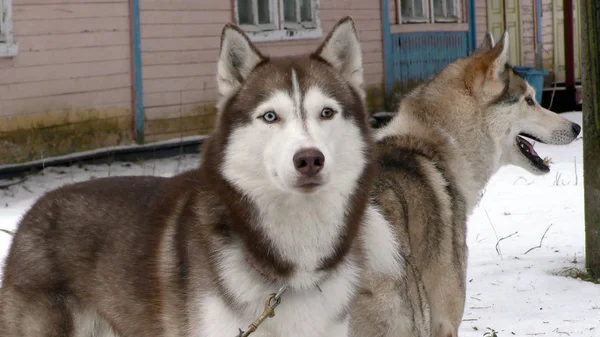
point(272, 302)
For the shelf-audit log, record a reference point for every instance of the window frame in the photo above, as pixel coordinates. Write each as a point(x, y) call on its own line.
point(8, 46)
point(458, 4)
point(279, 29)
point(430, 19)
point(258, 27)
point(299, 24)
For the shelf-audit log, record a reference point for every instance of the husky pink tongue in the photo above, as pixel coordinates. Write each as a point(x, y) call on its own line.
point(530, 147)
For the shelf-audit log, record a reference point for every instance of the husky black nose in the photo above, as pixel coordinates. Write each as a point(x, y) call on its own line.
point(309, 162)
point(576, 128)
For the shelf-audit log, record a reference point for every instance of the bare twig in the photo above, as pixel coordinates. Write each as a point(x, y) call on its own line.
point(494, 228)
point(527, 182)
point(541, 240)
point(561, 332)
point(557, 178)
point(7, 231)
point(504, 238)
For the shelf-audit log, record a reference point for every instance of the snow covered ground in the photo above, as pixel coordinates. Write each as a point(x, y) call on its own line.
point(509, 291)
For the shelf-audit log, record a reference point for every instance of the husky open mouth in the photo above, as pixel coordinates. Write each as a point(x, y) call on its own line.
point(529, 153)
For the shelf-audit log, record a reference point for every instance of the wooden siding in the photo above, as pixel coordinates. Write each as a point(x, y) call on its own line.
point(528, 32)
point(548, 35)
point(180, 41)
point(481, 23)
point(74, 54)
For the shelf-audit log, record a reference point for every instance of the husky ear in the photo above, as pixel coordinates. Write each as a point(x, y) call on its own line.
point(237, 57)
point(487, 44)
point(497, 57)
point(488, 65)
point(341, 49)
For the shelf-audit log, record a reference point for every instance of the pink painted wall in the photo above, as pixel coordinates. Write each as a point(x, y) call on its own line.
point(74, 55)
point(180, 41)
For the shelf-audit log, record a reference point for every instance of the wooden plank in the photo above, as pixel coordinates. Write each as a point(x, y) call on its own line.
point(276, 49)
point(374, 79)
point(373, 57)
point(181, 30)
point(426, 27)
point(373, 68)
point(157, 137)
point(179, 70)
point(182, 17)
point(161, 99)
point(180, 44)
point(179, 83)
point(70, 56)
point(370, 35)
point(175, 111)
point(70, 11)
point(361, 25)
point(57, 2)
point(63, 86)
point(180, 57)
point(64, 71)
point(78, 100)
point(78, 25)
point(365, 14)
point(354, 6)
point(66, 41)
point(187, 5)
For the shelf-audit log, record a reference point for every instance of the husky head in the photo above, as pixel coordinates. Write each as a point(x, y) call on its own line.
point(513, 114)
point(292, 125)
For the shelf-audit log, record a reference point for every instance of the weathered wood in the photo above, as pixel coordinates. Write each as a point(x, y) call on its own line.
point(590, 14)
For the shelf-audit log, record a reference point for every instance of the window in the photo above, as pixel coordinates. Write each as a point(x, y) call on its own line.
point(414, 11)
point(265, 20)
point(298, 14)
point(8, 47)
point(419, 11)
point(446, 10)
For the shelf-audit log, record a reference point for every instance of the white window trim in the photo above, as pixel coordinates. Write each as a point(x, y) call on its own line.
point(8, 46)
point(282, 31)
point(429, 7)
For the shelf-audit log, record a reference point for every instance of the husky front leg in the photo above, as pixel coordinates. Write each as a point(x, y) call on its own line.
point(446, 292)
point(29, 313)
point(391, 306)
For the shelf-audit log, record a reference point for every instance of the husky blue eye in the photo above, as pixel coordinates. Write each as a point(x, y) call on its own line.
point(327, 113)
point(270, 117)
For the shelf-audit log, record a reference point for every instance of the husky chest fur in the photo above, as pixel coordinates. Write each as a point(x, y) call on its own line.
point(279, 200)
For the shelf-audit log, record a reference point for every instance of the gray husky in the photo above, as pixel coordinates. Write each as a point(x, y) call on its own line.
point(450, 135)
point(280, 202)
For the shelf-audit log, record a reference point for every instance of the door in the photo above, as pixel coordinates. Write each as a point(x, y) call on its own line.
point(559, 40)
point(506, 15)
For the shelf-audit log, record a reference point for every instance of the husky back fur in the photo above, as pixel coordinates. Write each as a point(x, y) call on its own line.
point(279, 199)
point(451, 134)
